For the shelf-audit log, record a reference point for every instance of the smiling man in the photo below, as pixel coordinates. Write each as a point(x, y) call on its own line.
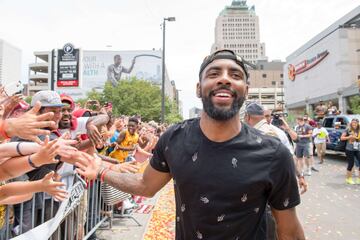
point(127, 141)
point(224, 171)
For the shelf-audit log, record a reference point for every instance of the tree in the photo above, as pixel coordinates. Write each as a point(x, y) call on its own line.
point(92, 95)
point(138, 97)
point(173, 116)
point(355, 104)
point(135, 97)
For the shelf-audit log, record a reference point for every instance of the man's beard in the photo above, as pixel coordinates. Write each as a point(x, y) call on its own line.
point(64, 125)
point(220, 114)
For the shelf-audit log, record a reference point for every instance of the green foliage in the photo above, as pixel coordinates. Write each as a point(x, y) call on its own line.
point(92, 95)
point(173, 116)
point(355, 104)
point(95, 95)
point(28, 99)
point(136, 97)
point(291, 120)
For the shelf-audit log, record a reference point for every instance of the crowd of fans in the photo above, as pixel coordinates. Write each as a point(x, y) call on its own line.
point(322, 110)
point(46, 143)
point(310, 136)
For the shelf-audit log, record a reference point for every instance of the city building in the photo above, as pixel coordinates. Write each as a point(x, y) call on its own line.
point(195, 112)
point(92, 71)
point(266, 84)
point(39, 73)
point(325, 68)
point(10, 63)
point(237, 28)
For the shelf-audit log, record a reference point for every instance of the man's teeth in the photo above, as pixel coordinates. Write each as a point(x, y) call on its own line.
point(222, 95)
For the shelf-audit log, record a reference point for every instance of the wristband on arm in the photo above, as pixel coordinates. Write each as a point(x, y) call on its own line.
point(18, 149)
point(31, 162)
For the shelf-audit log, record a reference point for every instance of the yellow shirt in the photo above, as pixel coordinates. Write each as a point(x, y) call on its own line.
point(2, 211)
point(129, 141)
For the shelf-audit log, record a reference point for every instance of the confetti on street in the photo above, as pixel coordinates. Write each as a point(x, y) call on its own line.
point(162, 222)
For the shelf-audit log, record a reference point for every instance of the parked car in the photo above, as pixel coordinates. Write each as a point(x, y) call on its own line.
point(334, 134)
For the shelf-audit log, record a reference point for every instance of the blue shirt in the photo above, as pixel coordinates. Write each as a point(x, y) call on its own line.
point(113, 139)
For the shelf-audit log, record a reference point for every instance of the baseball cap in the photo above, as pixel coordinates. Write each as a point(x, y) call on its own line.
point(67, 99)
point(254, 108)
point(47, 98)
point(224, 54)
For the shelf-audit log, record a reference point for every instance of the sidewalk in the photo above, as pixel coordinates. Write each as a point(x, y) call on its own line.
point(155, 225)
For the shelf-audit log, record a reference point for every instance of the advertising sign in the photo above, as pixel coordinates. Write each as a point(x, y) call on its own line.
point(114, 66)
point(305, 65)
point(68, 66)
point(99, 67)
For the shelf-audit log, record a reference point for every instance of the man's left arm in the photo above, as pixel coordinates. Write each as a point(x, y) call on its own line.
point(288, 224)
point(284, 195)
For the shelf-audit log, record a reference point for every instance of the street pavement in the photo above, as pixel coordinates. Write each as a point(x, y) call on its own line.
point(329, 210)
point(126, 228)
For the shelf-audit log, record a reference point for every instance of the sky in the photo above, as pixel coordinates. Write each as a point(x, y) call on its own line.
point(42, 25)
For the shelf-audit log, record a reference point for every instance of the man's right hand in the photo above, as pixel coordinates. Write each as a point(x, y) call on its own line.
point(30, 125)
point(89, 166)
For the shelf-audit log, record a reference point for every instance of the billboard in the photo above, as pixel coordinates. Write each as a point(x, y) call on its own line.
point(98, 67)
point(68, 66)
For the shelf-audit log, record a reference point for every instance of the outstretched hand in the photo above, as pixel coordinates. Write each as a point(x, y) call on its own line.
point(52, 187)
point(89, 166)
point(47, 153)
point(94, 135)
point(66, 149)
point(30, 125)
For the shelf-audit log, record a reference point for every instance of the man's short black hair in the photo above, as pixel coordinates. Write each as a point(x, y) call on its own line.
point(134, 120)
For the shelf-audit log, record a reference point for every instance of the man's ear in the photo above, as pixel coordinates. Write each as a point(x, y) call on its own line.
point(247, 92)
point(198, 90)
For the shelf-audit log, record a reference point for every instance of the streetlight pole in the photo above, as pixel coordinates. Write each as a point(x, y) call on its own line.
point(170, 19)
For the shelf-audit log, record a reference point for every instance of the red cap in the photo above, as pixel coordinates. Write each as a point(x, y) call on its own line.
point(67, 99)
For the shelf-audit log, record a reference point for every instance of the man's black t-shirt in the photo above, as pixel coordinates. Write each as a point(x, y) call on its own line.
point(221, 189)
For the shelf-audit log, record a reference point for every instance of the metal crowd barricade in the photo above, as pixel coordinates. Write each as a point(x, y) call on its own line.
point(79, 217)
point(82, 216)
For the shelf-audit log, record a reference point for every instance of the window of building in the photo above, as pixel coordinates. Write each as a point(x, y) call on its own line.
point(282, 83)
point(281, 75)
point(273, 83)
